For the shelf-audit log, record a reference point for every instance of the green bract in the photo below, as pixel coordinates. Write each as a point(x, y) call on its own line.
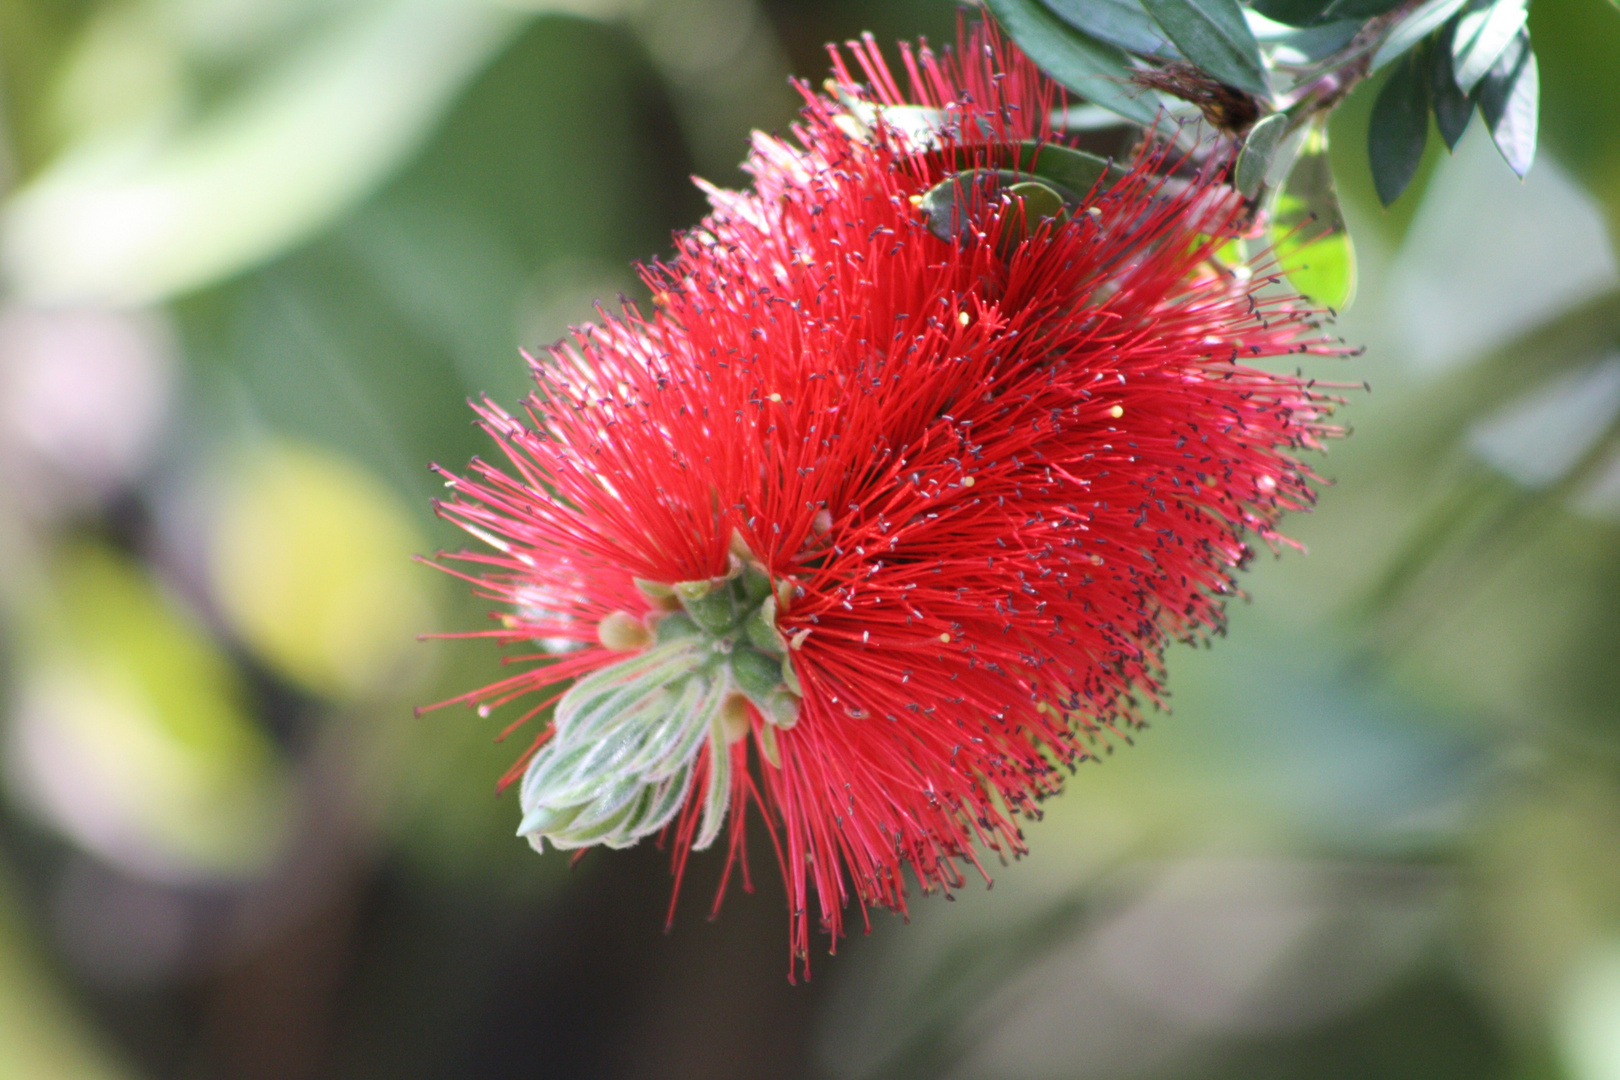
point(627, 738)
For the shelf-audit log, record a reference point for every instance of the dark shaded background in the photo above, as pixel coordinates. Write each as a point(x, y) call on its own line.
point(258, 253)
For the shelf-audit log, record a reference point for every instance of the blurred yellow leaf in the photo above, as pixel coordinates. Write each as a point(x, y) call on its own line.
point(130, 734)
point(312, 567)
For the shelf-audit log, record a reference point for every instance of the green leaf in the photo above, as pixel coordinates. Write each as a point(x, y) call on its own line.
point(1096, 71)
point(1359, 9)
point(1259, 150)
point(1292, 12)
point(1214, 35)
point(1482, 37)
point(1453, 108)
point(1073, 170)
point(1307, 230)
point(1399, 128)
point(1118, 22)
point(1422, 22)
point(1072, 173)
point(321, 126)
point(1312, 43)
point(1509, 100)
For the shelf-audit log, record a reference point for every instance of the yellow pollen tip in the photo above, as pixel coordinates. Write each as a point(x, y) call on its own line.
point(1117, 411)
point(776, 397)
point(967, 481)
point(944, 639)
point(964, 318)
point(916, 200)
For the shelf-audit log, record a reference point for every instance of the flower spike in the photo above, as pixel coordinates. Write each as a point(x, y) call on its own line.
point(938, 435)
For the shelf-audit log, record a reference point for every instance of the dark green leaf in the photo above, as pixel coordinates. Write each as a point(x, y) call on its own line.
point(1307, 230)
point(1399, 128)
point(1358, 9)
point(1292, 12)
point(1214, 35)
point(1453, 109)
point(1482, 37)
point(1259, 149)
point(1509, 100)
point(1034, 204)
point(1118, 22)
point(1040, 202)
point(1419, 24)
point(1073, 171)
point(1096, 71)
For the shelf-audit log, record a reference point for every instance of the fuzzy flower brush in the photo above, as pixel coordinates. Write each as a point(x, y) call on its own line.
point(937, 436)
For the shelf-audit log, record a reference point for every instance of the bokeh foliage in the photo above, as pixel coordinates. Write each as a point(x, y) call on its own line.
point(1377, 838)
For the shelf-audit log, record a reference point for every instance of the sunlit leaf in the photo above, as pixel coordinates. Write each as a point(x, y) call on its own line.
point(1095, 70)
point(1482, 37)
point(1423, 21)
point(153, 209)
point(311, 567)
point(1399, 128)
point(1509, 99)
point(1307, 230)
point(1214, 35)
point(1118, 22)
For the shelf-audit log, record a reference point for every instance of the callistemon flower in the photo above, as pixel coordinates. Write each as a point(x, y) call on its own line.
point(934, 441)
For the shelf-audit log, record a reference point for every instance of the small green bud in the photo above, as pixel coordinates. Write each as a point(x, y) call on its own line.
point(693, 590)
point(623, 632)
point(782, 708)
point(734, 719)
point(757, 673)
point(756, 583)
point(713, 610)
point(674, 627)
point(761, 629)
point(767, 746)
point(658, 594)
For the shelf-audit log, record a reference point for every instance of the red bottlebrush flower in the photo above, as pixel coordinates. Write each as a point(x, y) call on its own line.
point(933, 444)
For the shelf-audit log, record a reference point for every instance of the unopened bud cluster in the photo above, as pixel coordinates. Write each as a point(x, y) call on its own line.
point(629, 737)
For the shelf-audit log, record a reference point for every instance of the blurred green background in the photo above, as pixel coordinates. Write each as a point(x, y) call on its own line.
point(257, 254)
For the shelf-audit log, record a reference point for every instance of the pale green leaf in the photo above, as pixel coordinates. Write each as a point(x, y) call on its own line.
point(1259, 150)
point(1307, 230)
point(1424, 20)
point(1509, 99)
point(1481, 39)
